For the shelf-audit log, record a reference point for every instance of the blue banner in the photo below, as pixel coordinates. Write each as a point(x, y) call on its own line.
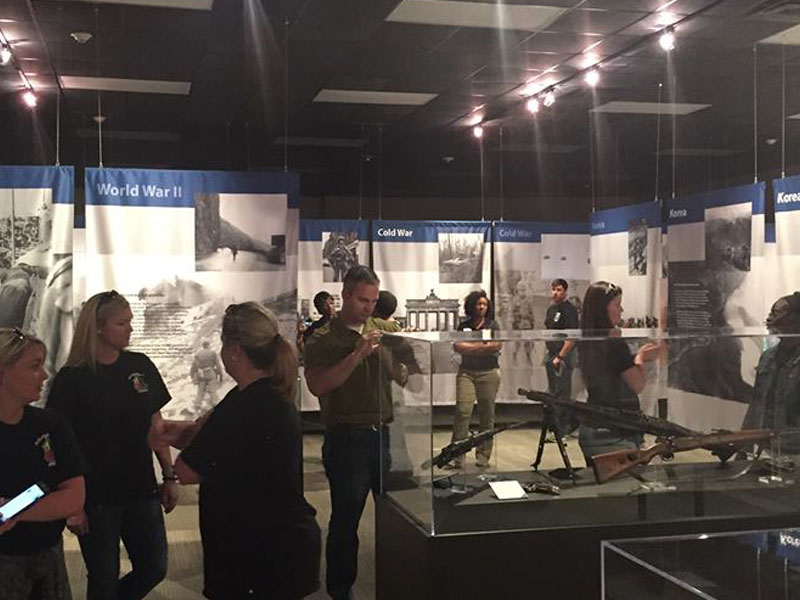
point(311, 230)
point(425, 231)
point(531, 231)
point(618, 220)
point(59, 179)
point(155, 187)
point(691, 209)
point(786, 193)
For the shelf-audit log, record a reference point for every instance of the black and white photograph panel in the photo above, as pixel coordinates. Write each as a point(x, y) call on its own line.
point(637, 247)
point(240, 232)
point(460, 257)
point(339, 254)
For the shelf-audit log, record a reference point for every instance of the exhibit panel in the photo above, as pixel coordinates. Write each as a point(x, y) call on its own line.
point(36, 257)
point(754, 564)
point(621, 465)
point(183, 245)
point(528, 256)
point(716, 280)
point(784, 268)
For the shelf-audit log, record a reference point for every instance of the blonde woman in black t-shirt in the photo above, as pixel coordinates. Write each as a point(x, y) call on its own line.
point(260, 537)
point(111, 396)
point(478, 377)
point(36, 447)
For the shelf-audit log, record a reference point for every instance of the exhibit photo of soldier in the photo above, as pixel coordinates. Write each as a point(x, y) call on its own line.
point(206, 374)
point(339, 254)
point(637, 247)
point(240, 232)
point(461, 257)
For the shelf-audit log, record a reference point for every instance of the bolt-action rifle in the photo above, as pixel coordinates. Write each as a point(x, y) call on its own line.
point(461, 447)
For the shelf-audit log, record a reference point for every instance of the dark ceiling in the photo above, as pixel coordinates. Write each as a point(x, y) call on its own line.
point(419, 160)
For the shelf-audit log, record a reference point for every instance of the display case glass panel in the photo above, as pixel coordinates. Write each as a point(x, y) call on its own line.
point(702, 429)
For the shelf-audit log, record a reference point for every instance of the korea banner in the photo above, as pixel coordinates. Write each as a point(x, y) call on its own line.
point(36, 221)
point(716, 264)
point(528, 256)
point(183, 245)
point(784, 275)
point(430, 266)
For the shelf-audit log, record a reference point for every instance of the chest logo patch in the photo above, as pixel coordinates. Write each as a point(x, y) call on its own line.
point(139, 382)
point(43, 443)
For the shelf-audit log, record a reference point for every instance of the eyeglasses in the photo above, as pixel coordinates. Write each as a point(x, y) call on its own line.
point(19, 333)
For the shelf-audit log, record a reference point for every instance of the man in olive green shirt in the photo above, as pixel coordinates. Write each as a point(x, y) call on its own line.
point(343, 362)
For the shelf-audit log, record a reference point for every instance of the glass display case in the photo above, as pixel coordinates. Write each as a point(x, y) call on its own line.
point(760, 564)
point(671, 427)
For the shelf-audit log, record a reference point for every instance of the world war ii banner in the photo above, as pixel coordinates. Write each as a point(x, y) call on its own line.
point(181, 246)
point(527, 257)
point(716, 256)
point(36, 220)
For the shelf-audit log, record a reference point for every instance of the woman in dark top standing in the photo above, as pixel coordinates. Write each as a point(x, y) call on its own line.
point(612, 374)
point(260, 538)
point(35, 446)
point(111, 396)
point(478, 377)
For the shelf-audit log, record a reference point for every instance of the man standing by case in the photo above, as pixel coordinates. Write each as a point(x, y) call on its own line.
point(560, 362)
point(342, 368)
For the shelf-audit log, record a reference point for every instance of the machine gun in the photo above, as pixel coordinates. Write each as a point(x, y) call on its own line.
point(461, 447)
point(722, 445)
point(628, 421)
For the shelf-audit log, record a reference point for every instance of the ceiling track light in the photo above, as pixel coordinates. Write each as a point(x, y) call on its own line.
point(5, 55)
point(30, 99)
point(592, 77)
point(532, 105)
point(667, 40)
point(549, 99)
point(477, 131)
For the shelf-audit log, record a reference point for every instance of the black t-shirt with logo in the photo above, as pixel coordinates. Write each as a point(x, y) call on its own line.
point(110, 411)
point(560, 316)
point(40, 448)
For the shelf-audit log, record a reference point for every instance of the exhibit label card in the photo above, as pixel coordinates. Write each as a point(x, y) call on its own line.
point(507, 490)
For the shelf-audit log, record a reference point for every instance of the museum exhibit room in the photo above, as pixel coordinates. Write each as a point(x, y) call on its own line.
point(399, 299)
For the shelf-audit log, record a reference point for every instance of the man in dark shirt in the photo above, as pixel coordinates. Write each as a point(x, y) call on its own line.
point(560, 361)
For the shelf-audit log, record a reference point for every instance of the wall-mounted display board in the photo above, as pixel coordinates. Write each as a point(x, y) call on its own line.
point(181, 246)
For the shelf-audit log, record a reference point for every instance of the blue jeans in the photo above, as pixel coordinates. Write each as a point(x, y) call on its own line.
point(140, 524)
point(352, 457)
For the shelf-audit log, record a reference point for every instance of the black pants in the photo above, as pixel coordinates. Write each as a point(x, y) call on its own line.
point(353, 458)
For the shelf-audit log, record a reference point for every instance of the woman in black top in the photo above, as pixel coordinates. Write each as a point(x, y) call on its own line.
point(36, 446)
point(111, 396)
point(612, 374)
point(260, 538)
point(478, 377)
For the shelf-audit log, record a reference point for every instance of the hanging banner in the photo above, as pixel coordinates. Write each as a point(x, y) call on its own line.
point(527, 257)
point(327, 249)
point(181, 246)
point(784, 273)
point(36, 220)
point(626, 250)
point(431, 266)
point(716, 263)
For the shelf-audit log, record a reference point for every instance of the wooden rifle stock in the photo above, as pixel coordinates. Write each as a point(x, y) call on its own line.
point(724, 445)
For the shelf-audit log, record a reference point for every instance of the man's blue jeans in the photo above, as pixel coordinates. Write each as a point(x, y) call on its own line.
point(140, 524)
point(352, 457)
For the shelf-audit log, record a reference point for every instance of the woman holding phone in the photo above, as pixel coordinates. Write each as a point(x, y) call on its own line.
point(111, 396)
point(260, 537)
point(36, 447)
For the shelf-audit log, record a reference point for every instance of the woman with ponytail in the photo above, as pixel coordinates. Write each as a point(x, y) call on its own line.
point(260, 537)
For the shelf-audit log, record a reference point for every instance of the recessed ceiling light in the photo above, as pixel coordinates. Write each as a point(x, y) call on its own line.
point(80, 37)
point(492, 15)
point(112, 84)
point(649, 108)
point(374, 97)
point(183, 4)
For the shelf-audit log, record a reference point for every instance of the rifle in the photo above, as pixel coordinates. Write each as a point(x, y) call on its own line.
point(614, 418)
point(723, 445)
point(461, 447)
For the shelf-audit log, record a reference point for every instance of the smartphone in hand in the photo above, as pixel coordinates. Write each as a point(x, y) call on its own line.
point(22, 502)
